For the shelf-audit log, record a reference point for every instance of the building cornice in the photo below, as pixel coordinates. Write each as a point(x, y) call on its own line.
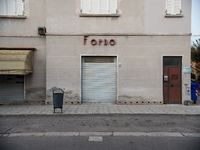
point(119, 34)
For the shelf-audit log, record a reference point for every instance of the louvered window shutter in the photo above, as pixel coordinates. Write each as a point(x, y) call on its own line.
point(86, 6)
point(3, 7)
point(177, 6)
point(95, 6)
point(104, 7)
point(169, 6)
point(113, 6)
point(99, 6)
point(11, 7)
point(173, 7)
point(19, 7)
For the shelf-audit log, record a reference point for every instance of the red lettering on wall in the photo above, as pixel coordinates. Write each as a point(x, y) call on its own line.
point(100, 40)
point(112, 42)
point(84, 39)
point(105, 42)
point(93, 42)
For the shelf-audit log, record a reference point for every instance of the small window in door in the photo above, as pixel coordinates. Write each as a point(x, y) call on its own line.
point(172, 61)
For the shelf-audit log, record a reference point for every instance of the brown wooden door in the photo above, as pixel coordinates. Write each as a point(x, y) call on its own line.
point(172, 82)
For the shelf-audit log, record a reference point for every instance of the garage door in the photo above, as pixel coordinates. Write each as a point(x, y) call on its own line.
point(99, 79)
point(11, 88)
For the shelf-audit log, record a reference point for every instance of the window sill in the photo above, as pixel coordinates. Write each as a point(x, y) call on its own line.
point(12, 17)
point(99, 15)
point(174, 16)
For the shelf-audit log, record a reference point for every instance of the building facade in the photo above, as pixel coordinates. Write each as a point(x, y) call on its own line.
point(101, 51)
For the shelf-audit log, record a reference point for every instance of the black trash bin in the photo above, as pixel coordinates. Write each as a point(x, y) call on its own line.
point(58, 95)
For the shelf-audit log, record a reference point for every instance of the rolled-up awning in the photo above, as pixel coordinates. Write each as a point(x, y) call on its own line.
point(16, 62)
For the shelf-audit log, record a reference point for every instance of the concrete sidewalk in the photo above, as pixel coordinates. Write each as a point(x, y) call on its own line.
point(99, 109)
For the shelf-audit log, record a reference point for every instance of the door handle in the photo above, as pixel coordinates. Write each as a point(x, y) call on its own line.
point(165, 78)
point(172, 85)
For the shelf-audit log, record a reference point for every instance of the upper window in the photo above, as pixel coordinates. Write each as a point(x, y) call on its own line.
point(173, 7)
point(12, 7)
point(99, 7)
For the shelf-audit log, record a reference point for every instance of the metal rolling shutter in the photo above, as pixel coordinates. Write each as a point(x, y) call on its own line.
point(99, 79)
point(11, 88)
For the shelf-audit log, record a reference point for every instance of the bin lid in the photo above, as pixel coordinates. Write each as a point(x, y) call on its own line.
point(58, 90)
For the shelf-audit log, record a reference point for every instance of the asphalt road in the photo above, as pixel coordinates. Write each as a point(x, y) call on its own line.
point(53, 132)
point(108, 143)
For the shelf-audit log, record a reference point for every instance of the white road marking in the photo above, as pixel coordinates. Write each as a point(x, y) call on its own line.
point(95, 139)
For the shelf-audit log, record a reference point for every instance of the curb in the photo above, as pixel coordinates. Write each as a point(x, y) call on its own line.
point(114, 134)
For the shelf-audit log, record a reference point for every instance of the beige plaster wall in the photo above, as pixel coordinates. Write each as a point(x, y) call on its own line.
point(35, 83)
point(15, 32)
point(156, 22)
point(136, 16)
point(35, 12)
point(57, 58)
point(139, 77)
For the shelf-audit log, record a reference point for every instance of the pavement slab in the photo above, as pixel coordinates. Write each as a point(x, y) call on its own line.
point(100, 108)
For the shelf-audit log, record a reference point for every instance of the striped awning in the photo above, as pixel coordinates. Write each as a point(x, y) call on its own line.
point(16, 62)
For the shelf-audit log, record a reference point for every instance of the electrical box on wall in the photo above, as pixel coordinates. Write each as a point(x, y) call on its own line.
point(41, 30)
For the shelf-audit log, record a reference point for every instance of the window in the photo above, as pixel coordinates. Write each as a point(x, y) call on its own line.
point(12, 7)
point(99, 7)
point(173, 7)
